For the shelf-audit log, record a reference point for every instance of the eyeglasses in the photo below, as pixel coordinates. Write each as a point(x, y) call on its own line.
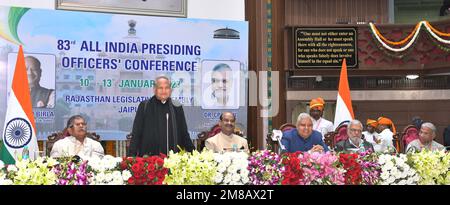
point(355, 130)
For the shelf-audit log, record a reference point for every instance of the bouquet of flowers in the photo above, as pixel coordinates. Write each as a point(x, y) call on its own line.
point(190, 169)
point(370, 168)
point(293, 173)
point(72, 171)
point(395, 170)
point(432, 167)
point(321, 168)
point(265, 168)
point(144, 170)
point(3, 177)
point(38, 172)
point(353, 168)
point(106, 171)
point(232, 168)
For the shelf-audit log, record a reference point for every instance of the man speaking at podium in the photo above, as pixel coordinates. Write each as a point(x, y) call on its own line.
point(159, 125)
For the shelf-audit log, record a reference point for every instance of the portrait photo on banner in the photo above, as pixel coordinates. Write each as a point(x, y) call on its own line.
point(220, 84)
point(41, 77)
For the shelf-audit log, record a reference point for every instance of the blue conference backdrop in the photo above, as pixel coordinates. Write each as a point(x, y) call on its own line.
point(102, 65)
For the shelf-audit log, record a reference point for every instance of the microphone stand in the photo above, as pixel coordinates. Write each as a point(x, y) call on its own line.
point(167, 132)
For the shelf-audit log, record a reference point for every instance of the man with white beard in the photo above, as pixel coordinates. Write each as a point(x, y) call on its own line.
point(354, 143)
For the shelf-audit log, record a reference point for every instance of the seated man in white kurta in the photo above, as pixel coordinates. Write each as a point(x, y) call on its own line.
point(225, 140)
point(77, 143)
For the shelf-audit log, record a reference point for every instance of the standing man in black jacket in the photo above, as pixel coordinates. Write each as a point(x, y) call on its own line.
point(159, 125)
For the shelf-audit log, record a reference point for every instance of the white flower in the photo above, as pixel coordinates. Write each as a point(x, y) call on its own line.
point(11, 168)
point(402, 182)
point(227, 179)
point(389, 165)
point(5, 182)
point(394, 170)
point(404, 175)
point(384, 175)
point(390, 180)
point(100, 177)
point(244, 173)
point(221, 168)
point(109, 177)
point(245, 180)
point(236, 177)
point(218, 158)
point(226, 162)
point(218, 178)
point(409, 181)
point(381, 160)
point(232, 169)
point(126, 175)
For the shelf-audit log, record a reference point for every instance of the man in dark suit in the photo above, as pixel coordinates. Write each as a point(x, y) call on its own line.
point(354, 141)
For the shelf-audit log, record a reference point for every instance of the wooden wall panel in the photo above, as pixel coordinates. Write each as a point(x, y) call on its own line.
point(255, 14)
point(313, 12)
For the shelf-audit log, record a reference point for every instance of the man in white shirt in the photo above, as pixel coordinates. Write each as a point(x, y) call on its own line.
point(386, 129)
point(320, 124)
point(226, 140)
point(426, 140)
point(371, 135)
point(77, 143)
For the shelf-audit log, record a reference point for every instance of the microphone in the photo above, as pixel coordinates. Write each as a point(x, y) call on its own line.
point(276, 136)
point(167, 132)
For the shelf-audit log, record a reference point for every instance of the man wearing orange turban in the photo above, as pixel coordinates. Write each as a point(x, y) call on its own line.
point(320, 124)
point(371, 135)
point(387, 129)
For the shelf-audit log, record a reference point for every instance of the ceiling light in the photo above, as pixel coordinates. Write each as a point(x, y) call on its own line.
point(412, 77)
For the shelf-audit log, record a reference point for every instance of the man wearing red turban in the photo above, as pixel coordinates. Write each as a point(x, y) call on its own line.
point(320, 124)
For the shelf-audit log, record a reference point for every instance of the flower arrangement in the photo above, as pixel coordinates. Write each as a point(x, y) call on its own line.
point(106, 171)
point(395, 170)
point(231, 168)
point(3, 177)
point(144, 170)
point(265, 168)
point(321, 168)
point(72, 171)
point(432, 167)
point(190, 168)
point(38, 172)
point(370, 168)
point(293, 173)
point(353, 168)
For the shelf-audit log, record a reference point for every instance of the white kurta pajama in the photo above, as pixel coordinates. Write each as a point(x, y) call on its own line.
point(323, 126)
point(222, 142)
point(70, 146)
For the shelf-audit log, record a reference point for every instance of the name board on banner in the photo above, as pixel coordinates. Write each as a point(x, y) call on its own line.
point(325, 47)
point(101, 66)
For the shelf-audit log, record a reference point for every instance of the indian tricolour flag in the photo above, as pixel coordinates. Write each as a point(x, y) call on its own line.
point(344, 110)
point(19, 130)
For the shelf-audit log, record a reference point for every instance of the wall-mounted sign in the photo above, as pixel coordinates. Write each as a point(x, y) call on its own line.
point(325, 47)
